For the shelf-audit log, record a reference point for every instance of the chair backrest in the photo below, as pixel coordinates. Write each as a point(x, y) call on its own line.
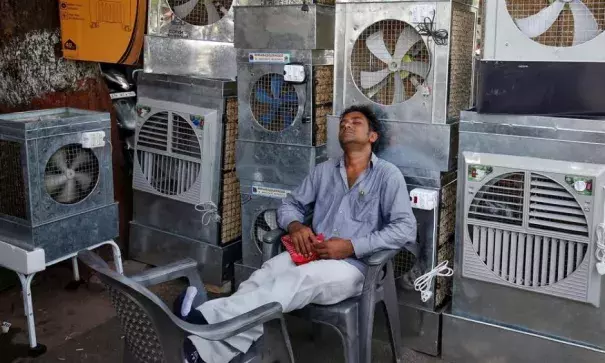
point(151, 335)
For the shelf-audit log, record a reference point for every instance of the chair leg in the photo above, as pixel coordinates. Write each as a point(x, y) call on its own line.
point(367, 306)
point(351, 347)
point(391, 310)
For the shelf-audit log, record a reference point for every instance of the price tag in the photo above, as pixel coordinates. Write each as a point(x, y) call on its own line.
point(118, 95)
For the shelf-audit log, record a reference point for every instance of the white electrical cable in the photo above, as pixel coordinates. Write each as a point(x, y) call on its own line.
point(423, 283)
point(600, 252)
point(210, 210)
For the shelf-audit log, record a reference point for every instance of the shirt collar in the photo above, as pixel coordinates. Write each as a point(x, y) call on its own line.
point(373, 160)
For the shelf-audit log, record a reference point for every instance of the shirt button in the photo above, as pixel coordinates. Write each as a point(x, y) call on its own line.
point(340, 211)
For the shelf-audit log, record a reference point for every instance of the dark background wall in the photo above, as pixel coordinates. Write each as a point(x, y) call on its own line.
point(34, 76)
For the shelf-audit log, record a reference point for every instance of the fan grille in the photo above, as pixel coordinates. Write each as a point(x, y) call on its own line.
point(265, 221)
point(376, 86)
point(500, 200)
point(169, 132)
point(274, 102)
point(561, 33)
point(199, 15)
point(71, 174)
point(526, 259)
point(12, 186)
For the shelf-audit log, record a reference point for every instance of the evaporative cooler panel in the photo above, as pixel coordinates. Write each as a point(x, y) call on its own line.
point(462, 43)
point(323, 86)
point(230, 208)
point(13, 198)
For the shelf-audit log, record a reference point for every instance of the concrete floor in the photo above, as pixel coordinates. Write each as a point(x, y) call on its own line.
point(80, 325)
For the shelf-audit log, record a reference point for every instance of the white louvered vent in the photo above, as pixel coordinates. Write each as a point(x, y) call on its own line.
point(169, 153)
point(553, 208)
point(500, 200)
point(526, 259)
point(154, 132)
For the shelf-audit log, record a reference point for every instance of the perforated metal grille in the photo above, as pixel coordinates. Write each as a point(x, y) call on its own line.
point(12, 185)
point(265, 222)
point(461, 60)
point(168, 175)
point(403, 263)
point(200, 12)
point(553, 208)
point(500, 200)
point(560, 23)
point(71, 174)
point(526, 259)
point(274, 102)
point(389, 61)
point(231, 225)
point(141, 337)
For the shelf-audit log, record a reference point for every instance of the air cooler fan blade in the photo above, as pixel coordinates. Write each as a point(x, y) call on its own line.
point(84, 180)
point(80, 159)
point(375, 44)
point(59, 160)
point(213, 15)
point(262, 96)
point(405, 42)
point(399, 94)
point(371, 79)
point(268, 117)
point(417, 68)
point(183, 10)
point(69, 192)
point(539, 23)
point(276, 85)
point(271, 219)
point(54, 181)
point(585, 24)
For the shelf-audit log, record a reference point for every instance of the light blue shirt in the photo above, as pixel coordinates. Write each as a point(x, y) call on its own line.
point(375, 213)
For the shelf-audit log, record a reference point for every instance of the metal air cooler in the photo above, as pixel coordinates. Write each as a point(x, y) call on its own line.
point(56, 185)
point(530, 211)
point(186, 191)
point(539, 56)
point(285, 91)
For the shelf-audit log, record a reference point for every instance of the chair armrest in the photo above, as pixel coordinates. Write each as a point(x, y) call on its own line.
point(187, 267)
point(381, 257)
point(234, 326)
point(376, 263)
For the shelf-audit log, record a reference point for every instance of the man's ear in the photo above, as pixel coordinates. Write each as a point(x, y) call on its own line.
point(373, 136)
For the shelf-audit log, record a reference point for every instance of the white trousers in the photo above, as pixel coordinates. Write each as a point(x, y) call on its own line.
point(279, 280)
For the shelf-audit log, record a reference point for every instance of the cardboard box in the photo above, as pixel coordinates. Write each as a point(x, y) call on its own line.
point(109, 31)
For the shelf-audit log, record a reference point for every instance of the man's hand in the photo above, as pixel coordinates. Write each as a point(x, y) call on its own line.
point(302, 237)
point(334, 249)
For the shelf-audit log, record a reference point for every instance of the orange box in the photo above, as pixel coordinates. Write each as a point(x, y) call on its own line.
point(109, 31)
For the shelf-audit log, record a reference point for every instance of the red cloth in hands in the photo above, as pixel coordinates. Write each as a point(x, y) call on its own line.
point(297, 258)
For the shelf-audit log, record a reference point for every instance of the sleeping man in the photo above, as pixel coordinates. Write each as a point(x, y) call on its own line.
point(359, 202)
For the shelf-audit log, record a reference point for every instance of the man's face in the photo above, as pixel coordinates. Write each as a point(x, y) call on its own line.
point(355, 130)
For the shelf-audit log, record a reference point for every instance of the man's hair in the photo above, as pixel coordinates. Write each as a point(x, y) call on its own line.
point(373, 121)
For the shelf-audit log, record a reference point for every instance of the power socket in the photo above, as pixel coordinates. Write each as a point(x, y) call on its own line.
point(93, 139)
point(425, 199)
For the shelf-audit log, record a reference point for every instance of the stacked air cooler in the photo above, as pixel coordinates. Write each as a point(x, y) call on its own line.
point(191, 37)
point(56, 184)
point(413, 61)
point(530, 250)
point(285, 82)
point(186, 191)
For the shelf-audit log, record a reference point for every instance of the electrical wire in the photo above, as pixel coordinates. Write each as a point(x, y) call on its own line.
point(440, 37)
point(209, 210)
point(423, 283)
